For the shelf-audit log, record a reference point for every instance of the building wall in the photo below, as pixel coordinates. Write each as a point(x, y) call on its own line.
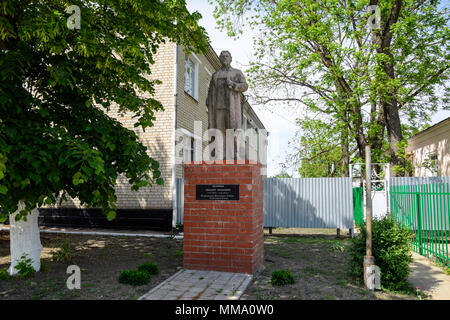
point(158, 139)
point(433, 140)
point(190, 109)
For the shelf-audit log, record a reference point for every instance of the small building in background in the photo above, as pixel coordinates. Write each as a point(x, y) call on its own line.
point(429, 151)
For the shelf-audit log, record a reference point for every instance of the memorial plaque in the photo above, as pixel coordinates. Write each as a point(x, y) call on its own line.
point(217, 192)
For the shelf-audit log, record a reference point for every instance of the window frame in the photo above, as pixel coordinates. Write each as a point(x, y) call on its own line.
point(193, 92)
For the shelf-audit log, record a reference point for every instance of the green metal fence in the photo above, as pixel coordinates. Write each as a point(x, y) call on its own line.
point(358, 209)
point(424, 209)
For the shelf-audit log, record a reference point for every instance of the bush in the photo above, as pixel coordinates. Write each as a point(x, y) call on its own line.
point(282, 277)
point(63, 253)
point(390, 250)
point(24, 267)
point(149, 267)
point(4, 274)
point(134, 277)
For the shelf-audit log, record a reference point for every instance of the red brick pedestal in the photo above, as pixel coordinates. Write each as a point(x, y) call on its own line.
point(224, 235)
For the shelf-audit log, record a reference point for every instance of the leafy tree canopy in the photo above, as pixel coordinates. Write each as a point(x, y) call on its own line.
point(377, 70)
point(57, 84)
point(315, 150)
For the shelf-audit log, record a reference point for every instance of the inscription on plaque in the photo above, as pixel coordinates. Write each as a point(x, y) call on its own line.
point(217, 192)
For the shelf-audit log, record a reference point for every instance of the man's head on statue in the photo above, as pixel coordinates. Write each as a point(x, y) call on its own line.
point(225, 58)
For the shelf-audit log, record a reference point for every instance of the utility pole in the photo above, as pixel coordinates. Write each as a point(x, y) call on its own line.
point(368, 259)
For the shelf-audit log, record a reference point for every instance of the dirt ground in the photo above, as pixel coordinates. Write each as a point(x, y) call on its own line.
point(100, 258)
point(318, 263)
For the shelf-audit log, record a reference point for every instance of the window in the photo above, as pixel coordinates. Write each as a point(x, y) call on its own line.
point(431, 164)
point(191, 77)
point(187, 146)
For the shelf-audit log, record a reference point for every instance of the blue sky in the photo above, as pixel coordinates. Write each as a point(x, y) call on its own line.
point(280, 122)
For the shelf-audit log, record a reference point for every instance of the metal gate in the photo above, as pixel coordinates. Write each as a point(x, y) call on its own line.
point(379, 187)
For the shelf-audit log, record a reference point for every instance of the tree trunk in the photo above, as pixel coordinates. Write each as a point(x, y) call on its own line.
point(345, 157)
point(394, 130)
point(25, 240)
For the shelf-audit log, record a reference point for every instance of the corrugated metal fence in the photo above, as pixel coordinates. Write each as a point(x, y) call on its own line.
point(308, 202)
point(301, 202)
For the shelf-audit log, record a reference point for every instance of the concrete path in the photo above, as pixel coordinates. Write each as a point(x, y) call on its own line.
point(103, 232)
point(429, 278)
point(200, 285)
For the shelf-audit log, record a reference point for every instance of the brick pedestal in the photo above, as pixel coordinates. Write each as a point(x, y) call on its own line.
point(223, 235)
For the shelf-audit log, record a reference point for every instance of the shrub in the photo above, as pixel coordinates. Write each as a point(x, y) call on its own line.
point(282, 277)
point(390, 250)
point(149, 267)
point(134, 277)
point(4, 274)
point(24, 267)
point(63, 253)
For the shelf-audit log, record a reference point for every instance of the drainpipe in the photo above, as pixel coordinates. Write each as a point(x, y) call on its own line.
point(174, 127)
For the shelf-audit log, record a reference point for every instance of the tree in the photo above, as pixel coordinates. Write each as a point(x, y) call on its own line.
point(376, 80)
point(283, 174)
point(316, 150)
point(57, 84)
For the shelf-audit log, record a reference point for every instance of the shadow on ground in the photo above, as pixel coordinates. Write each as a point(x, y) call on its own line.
point(319, 267)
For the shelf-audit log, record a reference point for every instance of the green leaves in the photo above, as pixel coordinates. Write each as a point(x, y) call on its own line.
point(77, 178)
point(111, 215)
point(55, 139)
point(322, 57)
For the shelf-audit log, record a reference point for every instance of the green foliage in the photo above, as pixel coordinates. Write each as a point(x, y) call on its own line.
point(4, 274)
point(390, 249)
point(370, 85)
point(24, 267)
point(281, 277)
point(63, 253)
point(178, 253)
point(44, 266)
point(149, 267)
point(134, 277)
point(283, 174)
point(57, 85)
point(316, 149)
point(337, 247)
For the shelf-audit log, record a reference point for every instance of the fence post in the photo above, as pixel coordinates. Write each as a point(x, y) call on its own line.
point(419, 222)
point(369, 260)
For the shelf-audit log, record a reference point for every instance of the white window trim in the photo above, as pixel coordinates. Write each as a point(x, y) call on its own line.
point(435, 171)
point(197, 142)
point(196, 58)
point(208, 72)
point(196, 70)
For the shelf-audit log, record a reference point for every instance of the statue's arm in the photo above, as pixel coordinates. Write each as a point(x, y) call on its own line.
point(210, 89)
point(240, 86)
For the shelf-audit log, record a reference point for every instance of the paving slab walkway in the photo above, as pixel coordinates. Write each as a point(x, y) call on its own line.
point(200, 285)
point(429, 278)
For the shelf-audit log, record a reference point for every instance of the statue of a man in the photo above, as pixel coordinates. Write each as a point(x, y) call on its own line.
point(224, 96)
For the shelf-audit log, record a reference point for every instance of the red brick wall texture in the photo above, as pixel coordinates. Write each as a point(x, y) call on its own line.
point(224, 235)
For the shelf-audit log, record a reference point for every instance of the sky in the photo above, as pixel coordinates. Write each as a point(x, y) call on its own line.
point(279, 122)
